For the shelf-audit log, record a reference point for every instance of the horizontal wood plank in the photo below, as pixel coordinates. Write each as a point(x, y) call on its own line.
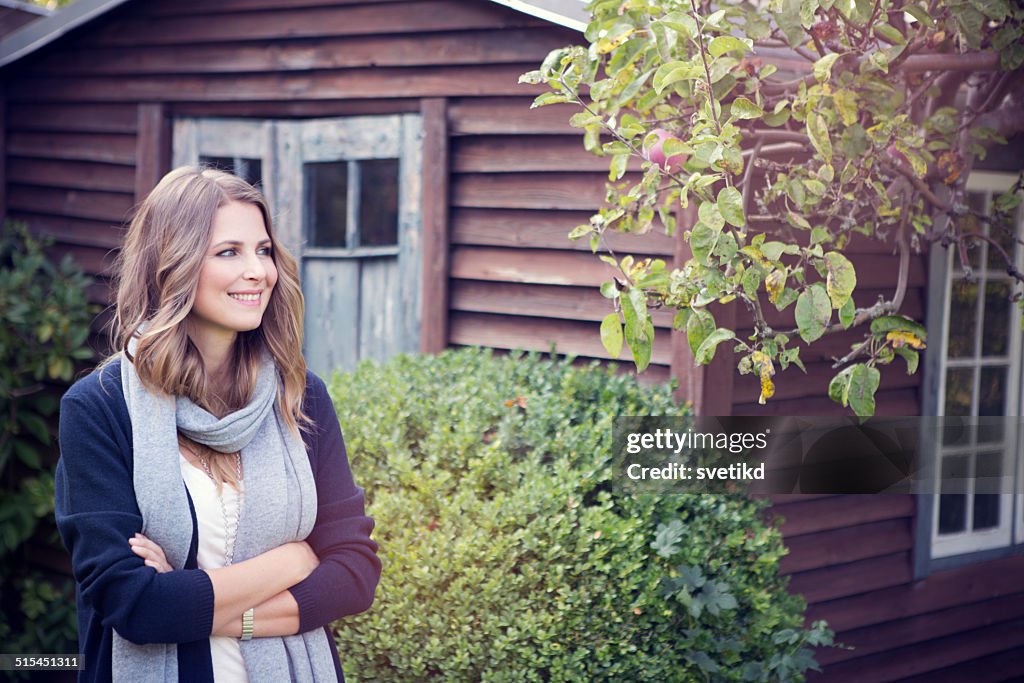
point(522, 45)
point(298, 108)
point(963, 585)
point(114, 207)
point(563, 303)
point(882, 637)
point(92, 260)
point(520, 153)
point(194, 7)
point(839, 512)
point(535, 266)
point(900, 663)
point(537, 334)
point(835, 547)
point(450, 81)
point(87, 233)
point(997, 668)
point(104, 147)
point(584, 191)
point(546, 230)
point(73, 117)
point(901, 402)
point(509, 115)
point(855, 578)
point(288, 22)
point(83, 175)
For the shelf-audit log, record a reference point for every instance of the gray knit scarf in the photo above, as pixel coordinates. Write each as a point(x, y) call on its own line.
point(279, 507)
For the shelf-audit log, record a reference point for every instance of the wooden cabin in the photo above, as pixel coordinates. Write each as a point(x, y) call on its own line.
point(413, 107)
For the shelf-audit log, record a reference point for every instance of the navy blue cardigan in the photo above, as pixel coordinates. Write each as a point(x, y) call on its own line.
point(97, 514)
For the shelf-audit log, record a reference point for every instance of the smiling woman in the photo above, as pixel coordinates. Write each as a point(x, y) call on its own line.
point(203, 489)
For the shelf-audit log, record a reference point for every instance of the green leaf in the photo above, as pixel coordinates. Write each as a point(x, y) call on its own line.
point(581, 230)
point(742, 108)
point(898, 323)
point(890, 33)
point(820, 235)
point(817, 130)
point(680, 22)
point(839, 387)
point(909, 355)
point(730, 206)
point(823, 67)
point(709, 214)
point(548, 98)
point(847, 313)
point(864, 382)
point(36, 425)
point(813, 312)
point(703, 239)
point(618, 167)
point(920, 14)
point(722, 44)
point(773, 251)
point(698, 327)
point(797, 221)
point(706, 351)
point(611, 334)
point(673, 72)
point(842, 278)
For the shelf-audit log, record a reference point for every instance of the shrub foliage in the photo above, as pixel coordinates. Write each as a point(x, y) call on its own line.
point(508, 556)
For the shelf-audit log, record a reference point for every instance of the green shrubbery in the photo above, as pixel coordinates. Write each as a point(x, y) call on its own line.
point(46, 320)
point(507, 557)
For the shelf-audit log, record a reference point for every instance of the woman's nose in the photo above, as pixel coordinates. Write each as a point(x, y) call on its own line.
point(254, 269)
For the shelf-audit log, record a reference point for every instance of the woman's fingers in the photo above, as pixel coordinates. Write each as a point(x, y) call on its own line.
point(150, 552)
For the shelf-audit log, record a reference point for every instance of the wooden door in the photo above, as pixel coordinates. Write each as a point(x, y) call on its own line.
point(345, 194)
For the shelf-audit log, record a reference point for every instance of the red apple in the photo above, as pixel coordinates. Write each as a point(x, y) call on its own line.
point(656, 154)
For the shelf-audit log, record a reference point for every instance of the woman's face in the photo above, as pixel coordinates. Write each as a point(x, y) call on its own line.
point(237, 277)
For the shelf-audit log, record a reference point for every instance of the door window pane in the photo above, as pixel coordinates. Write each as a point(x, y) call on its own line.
point(962, 315)
point(326, 203)
point(378, 202)
point(959, 388)
point(996, 320)
point(250, 170)
point(226, 164)
point(953, 498)
point(1003, 235)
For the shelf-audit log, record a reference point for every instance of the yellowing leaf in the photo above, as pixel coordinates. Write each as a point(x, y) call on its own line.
point(767, 390)
point(901, 338)
point(774, 284)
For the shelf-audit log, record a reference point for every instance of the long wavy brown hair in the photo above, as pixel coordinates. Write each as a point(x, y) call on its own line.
point(156, 276)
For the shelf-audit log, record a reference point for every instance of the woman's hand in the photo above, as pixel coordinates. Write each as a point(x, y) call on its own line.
point(150, 552)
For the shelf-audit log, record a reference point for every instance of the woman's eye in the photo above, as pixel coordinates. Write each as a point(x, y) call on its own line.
point(226, 252)
point(265, 251)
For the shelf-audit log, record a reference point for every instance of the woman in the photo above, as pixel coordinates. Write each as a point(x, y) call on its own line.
point(203, 489)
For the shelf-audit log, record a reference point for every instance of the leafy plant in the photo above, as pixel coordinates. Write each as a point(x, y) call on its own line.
point(769, 176)
point(46, 324)
point(509, 556)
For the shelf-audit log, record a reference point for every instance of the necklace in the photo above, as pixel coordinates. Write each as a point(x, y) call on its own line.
point(230, 531)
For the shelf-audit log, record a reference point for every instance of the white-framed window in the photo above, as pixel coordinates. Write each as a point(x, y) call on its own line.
point(975, 372)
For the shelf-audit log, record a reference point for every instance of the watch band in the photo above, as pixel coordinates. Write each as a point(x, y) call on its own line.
point(247, 623)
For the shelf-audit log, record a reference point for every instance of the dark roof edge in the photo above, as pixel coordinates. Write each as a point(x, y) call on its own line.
point(569, 13)
point(44, 31)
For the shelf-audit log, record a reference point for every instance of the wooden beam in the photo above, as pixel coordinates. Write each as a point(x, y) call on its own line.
point(434, 293)
point(152, 148)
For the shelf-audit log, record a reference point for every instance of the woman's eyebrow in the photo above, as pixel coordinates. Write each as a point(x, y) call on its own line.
point(236, 243)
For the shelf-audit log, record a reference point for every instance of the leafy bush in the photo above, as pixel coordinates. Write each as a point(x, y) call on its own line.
point(508, 557)
point(46, 323)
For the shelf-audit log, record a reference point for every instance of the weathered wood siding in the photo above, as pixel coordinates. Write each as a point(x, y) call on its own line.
point(79, 118)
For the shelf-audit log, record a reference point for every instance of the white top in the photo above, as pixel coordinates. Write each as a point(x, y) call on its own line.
point(228, 666)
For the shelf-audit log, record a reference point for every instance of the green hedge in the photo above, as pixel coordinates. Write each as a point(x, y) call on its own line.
point(507, 557)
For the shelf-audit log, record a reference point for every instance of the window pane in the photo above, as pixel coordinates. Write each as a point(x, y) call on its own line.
point(251, 170)
point(970, 224)
point(996, 320)
point(953, 505)
point(378, 202)
point(959, 388)
point(219, 163)
point(326, 203)
point(962, 314)
point(988, 470)
point(992, 397)
point(1004, 236)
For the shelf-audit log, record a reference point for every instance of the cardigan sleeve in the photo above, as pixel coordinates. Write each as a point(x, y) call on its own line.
point(96, 514)
point(346, 579)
